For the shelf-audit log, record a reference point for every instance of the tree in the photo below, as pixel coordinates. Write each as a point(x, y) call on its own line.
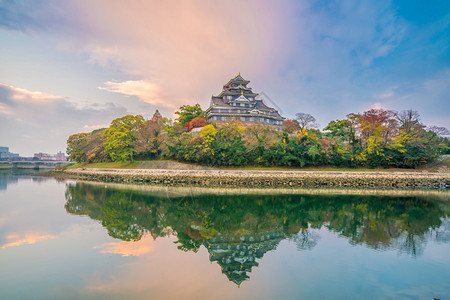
point(343, 133)
point(120, 137)
point(291, 126)
point(196, 123)
point(76, 147)
point(440, 131)
point(189, 112)
point(150, 139)
point(378, 122)
point(228, 148)
point(409, 120)
point(95, 151)
point(305, 121)
point(341, 129)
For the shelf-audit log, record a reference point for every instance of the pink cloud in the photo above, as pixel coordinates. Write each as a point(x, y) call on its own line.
point(25, 95)
point(16, 240)
point(146, 91)
point(123, 248)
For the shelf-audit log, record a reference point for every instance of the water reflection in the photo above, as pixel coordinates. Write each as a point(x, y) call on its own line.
point(12, 176)
point(237, 230)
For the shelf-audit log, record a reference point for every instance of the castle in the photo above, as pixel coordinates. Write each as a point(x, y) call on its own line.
point(238, 102)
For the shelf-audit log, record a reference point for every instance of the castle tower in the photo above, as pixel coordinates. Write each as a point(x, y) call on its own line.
point(237, 101)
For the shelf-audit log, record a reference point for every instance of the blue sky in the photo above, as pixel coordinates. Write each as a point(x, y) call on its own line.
point(73, 66)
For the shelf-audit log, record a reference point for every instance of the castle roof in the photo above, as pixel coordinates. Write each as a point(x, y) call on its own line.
point(237, 79)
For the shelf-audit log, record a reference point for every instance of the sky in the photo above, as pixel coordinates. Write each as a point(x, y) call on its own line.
point(74, 66)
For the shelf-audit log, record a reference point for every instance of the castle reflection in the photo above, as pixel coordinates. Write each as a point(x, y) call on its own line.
point(238, 230)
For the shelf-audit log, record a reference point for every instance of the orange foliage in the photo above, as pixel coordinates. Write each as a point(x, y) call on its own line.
point(195, 123)
point(291, 126)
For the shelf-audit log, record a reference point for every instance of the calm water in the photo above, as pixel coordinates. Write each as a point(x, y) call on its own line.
point(70, 240)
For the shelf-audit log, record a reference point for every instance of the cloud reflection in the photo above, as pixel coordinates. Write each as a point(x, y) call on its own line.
point(124, 248)
point(16, 240)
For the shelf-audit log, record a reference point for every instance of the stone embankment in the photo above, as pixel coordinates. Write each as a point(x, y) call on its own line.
point(239, 178)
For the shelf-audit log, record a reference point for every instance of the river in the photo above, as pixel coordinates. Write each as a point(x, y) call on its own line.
point(79, 240)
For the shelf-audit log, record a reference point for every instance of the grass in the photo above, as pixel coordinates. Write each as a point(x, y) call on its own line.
point(444, 160)
point(108, 165)
point(135, 164)
point(258, 168)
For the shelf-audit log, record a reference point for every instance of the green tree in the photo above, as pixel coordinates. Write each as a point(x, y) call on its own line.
point(228, 148)
point(120, 137)
point(189, 112)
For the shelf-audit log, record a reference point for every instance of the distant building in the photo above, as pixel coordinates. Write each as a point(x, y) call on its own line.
point(238, 102)
point(156, 116)
point(50, 157)
point(6, 155)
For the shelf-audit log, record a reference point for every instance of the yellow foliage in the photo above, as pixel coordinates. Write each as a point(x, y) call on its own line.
point(302, 132)
point(361, 157)
point(374, 145)
point(400, 142)
point(207, 133)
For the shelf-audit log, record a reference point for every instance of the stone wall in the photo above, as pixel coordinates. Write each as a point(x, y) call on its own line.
point(265, 178)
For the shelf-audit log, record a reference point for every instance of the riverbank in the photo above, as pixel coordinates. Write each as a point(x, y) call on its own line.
point(261, 179)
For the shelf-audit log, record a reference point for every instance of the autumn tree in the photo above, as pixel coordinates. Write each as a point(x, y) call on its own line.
point(96, 148)
point(196, 123)
point(291, 126)
point(77, 146)
point(150, 139)
point(380, 123)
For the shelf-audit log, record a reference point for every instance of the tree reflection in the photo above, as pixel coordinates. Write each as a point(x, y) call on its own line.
point(239, 229)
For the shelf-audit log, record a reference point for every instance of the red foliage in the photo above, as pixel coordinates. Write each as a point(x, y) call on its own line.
point(196, 122)
point(378, 118)
point(326, 144)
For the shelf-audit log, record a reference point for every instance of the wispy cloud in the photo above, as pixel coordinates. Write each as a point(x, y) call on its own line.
point(20, 94)
point(146, 91)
